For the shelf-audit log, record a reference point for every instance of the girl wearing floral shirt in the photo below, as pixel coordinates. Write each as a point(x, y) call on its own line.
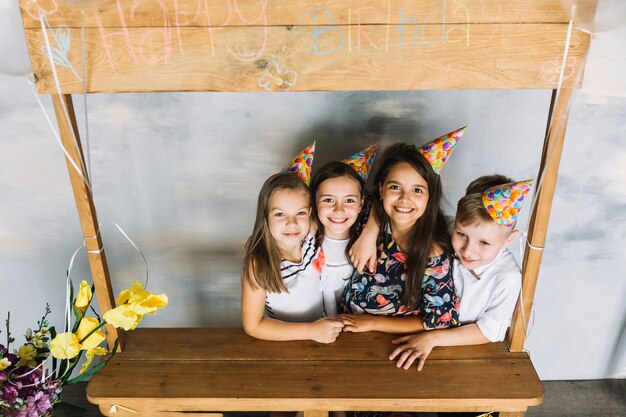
point(411, 288)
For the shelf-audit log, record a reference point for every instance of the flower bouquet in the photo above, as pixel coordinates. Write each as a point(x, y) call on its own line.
point(32, 377)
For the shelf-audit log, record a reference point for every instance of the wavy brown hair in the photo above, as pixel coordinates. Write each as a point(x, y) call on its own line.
point(261, 265)
point(429, 230)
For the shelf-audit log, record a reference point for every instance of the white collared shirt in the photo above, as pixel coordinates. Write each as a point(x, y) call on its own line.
point(489, 301)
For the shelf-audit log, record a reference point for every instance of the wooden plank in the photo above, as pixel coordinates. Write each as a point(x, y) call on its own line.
point(86, 211)
point(540, 217)
point(297, 59)
point(187, 13)
point(234, 344)
point(445, 385)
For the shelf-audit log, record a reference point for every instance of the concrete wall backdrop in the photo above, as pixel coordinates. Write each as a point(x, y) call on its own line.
point(180, 173)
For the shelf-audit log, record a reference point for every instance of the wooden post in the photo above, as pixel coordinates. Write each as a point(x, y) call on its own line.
point(86, 211)
point(537, 230)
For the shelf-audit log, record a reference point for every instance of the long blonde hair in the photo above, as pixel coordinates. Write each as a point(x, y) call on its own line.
point(261, 265)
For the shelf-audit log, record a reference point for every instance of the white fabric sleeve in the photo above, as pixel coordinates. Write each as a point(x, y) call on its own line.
point(494, 322)
point(330, 303)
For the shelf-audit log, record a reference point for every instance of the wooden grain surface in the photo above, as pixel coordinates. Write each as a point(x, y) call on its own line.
point(234, 344)
point(181, 13)
point(208, 370)
point(294, 58)
point(474, 384)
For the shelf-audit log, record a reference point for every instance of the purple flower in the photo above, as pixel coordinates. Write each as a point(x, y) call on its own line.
point(9, 393)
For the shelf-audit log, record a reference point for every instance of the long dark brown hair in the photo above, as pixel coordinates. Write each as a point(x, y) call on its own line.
point(429, 230)
point(328, 171)
point(261, 265)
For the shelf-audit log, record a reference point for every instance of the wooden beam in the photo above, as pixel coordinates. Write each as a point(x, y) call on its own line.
point(297, 58)
point(68, 131)
point(218, 14)
point(538, 227)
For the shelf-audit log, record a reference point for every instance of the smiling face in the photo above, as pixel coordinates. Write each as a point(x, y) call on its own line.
point(338, 203)
point(288, 218)
point(478, 244)
point(405, 196)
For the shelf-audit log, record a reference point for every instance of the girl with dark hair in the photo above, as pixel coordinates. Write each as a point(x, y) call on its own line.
point(411, 288)
point(337, 192)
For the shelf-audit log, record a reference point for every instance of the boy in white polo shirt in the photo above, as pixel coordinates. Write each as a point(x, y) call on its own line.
point(487, 278)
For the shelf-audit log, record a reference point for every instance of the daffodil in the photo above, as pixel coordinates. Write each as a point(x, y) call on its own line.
point(122, 316)
point(134, 303)
point(89, 357)
point(27, 353)
point(86, 326)
point(4, 363)
point(84, 296)
point(65, 346)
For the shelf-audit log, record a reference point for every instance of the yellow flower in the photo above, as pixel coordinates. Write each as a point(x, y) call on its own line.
point(134, 303)
point(65, 346)
point(84, 296)
point(4, 364)
point(27, 352)
point(87, 324)
point(149, 304)
point(122, 316)
point(89, 357)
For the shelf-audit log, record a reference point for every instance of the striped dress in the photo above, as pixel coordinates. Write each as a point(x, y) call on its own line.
point(303, 302)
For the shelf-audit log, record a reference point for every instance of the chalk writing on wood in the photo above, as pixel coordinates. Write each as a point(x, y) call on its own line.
point(155, 46)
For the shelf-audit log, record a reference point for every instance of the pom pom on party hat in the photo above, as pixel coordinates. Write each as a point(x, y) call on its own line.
point(503, 202)
point(438, 151)
point(302, 163)
point(362, 161)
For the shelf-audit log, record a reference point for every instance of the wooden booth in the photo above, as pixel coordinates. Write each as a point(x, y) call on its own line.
point(297, 45)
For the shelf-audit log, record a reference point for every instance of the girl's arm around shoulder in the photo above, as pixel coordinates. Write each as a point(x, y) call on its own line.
point(259, 326)
point(419, 346)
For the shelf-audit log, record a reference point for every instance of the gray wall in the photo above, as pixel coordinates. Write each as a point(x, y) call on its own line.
point(180, 173)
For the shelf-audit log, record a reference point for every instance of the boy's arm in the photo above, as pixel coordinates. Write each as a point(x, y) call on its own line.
point(358, 323)
point(257, 325)
point(419, 346)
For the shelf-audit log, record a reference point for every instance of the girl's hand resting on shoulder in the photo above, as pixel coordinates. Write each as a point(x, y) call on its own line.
point(412, 347)
point(363, 251)
point(326, 330)
point(357, 323)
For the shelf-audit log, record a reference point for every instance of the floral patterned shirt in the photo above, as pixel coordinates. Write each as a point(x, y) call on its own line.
point(381, 292)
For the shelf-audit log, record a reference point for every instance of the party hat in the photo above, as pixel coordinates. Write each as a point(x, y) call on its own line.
point(362, 161)
point(438, 151)
point(503, 202)
point(302, 163)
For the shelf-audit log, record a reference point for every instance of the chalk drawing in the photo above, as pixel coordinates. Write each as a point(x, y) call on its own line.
point(212, 27)
point(35, 8)
point(178, 23)
point(319, 31)
point(360, 31)
point(251, 56)
point(551, 69)
point(124, 33)
point(465, 29)
point(442, 12)
point(62, 39)
point(165, 32)
point(277, 77)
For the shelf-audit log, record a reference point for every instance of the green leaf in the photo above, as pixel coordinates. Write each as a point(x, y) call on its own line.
point(96, 368)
